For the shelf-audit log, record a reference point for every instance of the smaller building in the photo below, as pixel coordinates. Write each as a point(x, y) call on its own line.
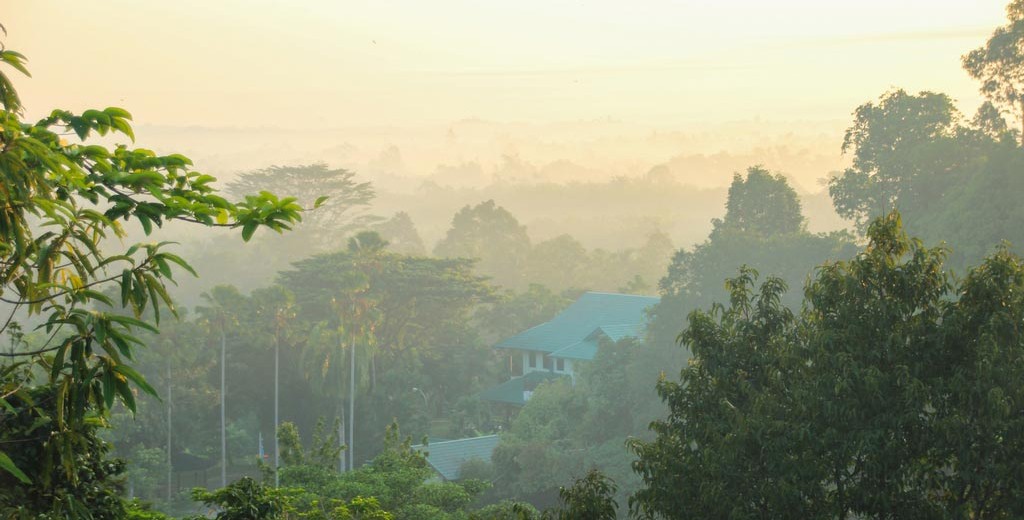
point(447, 457)
point(555, 348)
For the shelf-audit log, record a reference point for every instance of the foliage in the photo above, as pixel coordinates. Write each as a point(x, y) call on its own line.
point(245, 499)
point(762, 204)
point(999, 64)
point(723, 403)
point(506, 510)
point(60, 201)
point(517, 311)
point(694, 277)
point(398, 479)
point(136, 510)
point(36, 483)
point(401, 235)
point(911, 151)
point(340, 199)
point(324, 452)
point(889, 396)
point(491, 234)
point(408, 317)
point(591, 496)
point(899, 145)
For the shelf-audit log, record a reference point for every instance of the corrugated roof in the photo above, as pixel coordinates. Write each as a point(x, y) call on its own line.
point(618, 332)
point(511, 391)
point(586, 350)
point(583, 350)
point(447, 457)
point(593, 310)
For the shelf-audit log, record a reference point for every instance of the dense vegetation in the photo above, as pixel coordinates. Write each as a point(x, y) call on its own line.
point(783, 373)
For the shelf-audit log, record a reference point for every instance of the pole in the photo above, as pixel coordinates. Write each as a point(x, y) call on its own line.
point(352, 406)
point(223, 428)
point(277, 450)
point(170, 467)
point(341, 442)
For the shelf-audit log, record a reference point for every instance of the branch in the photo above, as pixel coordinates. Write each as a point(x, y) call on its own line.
point(67, 291)
point(171, 217)
point(30, 353)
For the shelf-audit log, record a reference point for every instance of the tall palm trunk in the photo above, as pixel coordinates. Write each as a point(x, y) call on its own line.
point(170, 467)
point(352, 406)
point(277, 422)
point(223, 426)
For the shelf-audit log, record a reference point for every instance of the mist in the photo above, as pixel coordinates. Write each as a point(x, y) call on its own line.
point(525, 260)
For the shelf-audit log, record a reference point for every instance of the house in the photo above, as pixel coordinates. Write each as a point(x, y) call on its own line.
point(556, 348)
point(447, 457)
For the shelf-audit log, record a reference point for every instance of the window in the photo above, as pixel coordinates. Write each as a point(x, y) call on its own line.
point(547, 364)
point(533, 360)
point(560, 366)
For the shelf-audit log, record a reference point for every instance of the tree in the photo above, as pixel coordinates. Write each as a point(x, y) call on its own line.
point(60, 200)
point(399, 310)
point(401, 235)
point(891, 395)
point(221, 314)
point(491, 234)
point(591, 496)
point(978, 416)
point(276, 306)
point(999, 64)
point(694, 278)
point(36, 480)
point(717, 454)
point(900, 147)
point(559, 263)
point(245, 499)
point(513, 312)
point(342, 200)
point(762, 204)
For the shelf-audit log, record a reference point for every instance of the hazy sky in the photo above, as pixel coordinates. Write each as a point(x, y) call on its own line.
point(330, 63)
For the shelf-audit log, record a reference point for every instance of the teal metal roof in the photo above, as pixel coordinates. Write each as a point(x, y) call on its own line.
point(511, 391)
point(613, 313)
point(586, 350)
point(447, 457)
point(618, 332)
point(583, 350)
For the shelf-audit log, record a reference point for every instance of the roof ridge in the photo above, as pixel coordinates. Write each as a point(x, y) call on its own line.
point(609, 293)
point(429, 444)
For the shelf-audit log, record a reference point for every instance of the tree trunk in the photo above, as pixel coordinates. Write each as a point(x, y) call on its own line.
point(170, 467)
point(277, 447)
point(223, 427)
point(352, 407)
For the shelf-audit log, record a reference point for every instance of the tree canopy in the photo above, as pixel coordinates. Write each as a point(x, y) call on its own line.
point(856, 406)
point(491, 234)
point(999, 64)
point(60, 200)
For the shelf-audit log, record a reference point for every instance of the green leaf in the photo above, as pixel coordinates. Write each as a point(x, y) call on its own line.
point(248, 229)
point(8, 465)
point(132, 322)
point(136, 378)
point(116, 112)
point(126, 286)
point(178, 260)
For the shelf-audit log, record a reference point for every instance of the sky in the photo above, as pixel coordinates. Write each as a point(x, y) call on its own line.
point(328, 63)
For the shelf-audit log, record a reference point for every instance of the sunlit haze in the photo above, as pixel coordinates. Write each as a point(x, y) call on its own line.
point(342, 82)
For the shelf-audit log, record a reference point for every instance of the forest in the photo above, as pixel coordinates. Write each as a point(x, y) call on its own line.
point(277, 347)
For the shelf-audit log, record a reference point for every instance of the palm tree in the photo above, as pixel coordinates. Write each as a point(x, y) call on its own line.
point(220, 315)
point(276, 305)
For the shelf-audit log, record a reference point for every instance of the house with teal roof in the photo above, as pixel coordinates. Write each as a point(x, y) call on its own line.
point(447, 457)
point(556, 348)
